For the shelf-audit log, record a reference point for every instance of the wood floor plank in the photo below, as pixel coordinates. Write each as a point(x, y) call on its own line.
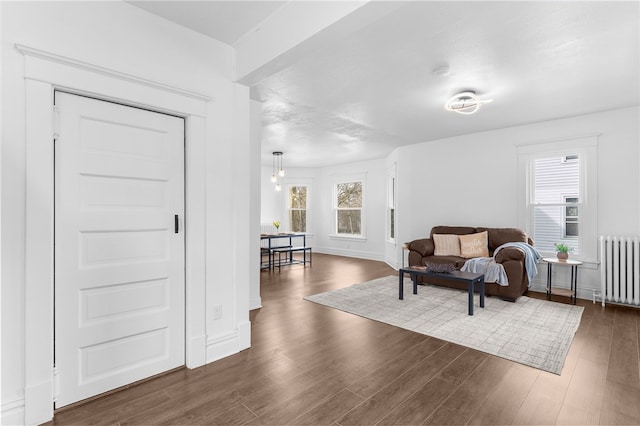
point(544, 401)
point(419, 406)
point(303, 400)
point(374, 381)
point(329, 410)
point(621, 404)
point(599, 334)
point(503, 402)
point(460, 369)
point(478, 383)
point(236, 415)
point(624, 359)
point(583, 401)
point(444, 416)
point(387, 398)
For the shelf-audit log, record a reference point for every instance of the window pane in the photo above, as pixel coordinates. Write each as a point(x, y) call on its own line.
point(392, 224)
point(550, 228)
point(349, 222)
point(571, 229)
point(298, 197)
point(554, 179)
point(298, 220)
point(349, 195)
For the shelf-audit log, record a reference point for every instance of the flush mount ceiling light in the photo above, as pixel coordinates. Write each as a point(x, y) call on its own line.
point(465, 103)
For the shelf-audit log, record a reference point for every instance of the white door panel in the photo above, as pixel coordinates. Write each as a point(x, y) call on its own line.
point(119, 264)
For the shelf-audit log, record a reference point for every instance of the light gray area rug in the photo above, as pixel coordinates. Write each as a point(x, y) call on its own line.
point(530, 331)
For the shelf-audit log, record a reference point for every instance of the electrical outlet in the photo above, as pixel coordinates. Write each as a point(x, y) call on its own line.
point(217, 312)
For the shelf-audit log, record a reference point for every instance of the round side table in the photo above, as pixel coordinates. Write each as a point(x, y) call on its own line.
point(573, 264)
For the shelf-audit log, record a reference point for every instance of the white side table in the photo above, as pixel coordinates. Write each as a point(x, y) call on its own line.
point(573, 264)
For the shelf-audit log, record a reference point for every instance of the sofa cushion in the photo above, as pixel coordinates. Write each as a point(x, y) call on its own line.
point(474, 245)
point(458, 230)
point(446, 245)
point(499, 236)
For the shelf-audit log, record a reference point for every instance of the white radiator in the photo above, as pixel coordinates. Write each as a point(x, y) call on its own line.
point(620, 269)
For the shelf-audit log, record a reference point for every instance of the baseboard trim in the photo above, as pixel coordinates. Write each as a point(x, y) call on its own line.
point(255, 303)
point(38, 402)
point(391, 265)
point(244, 335)
point(12, 412)
point(583, 293)
point(349, 253)
point(221, 346)
point(196, 351)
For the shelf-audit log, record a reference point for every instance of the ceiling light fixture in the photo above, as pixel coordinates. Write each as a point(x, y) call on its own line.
point(276, 163)
point(465, 103)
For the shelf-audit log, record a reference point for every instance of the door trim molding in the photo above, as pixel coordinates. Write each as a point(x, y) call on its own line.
point(64, 60)
point(43, 75)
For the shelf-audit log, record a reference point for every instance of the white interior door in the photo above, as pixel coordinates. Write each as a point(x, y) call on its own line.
point(119, 263)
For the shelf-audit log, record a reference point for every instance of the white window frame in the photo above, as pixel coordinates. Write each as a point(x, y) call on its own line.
point(565, 217)
point(334, 202)
point(586, 148)
point(288, 205)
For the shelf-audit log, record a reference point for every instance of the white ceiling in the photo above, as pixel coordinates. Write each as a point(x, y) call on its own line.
point(361, 97)
point(226, 21)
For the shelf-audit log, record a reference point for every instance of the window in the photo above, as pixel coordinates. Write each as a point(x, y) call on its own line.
point(348, 208)
point(559, 195)
point(298, 208)
point(555, 214)
point(391, 209)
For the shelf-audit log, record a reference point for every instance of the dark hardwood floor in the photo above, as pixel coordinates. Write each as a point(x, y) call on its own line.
point(312, 365)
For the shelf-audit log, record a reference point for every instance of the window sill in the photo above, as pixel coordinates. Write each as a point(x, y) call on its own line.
point(345, 237)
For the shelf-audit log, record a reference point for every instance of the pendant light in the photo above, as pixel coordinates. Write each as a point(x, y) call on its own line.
point(276, 164)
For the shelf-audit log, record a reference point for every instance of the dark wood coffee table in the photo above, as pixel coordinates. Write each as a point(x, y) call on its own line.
point(470, 278)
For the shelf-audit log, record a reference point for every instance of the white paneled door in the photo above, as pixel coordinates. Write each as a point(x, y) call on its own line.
point(119, 246)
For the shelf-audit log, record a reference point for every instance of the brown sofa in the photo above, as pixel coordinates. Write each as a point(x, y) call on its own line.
point(512, 258)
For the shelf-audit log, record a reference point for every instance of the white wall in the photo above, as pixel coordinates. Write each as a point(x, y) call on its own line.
point(125, 39)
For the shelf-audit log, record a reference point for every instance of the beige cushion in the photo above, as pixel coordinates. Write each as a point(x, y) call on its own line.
point(474, 245)
point(446, 245)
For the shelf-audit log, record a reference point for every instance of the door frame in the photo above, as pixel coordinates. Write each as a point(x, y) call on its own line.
point(44, 73)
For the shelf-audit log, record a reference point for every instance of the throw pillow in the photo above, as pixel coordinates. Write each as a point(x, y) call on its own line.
point(446, 245)
point(474, 245)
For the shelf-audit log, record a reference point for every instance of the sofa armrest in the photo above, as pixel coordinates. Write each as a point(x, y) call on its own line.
point(423, 246)
point(510, 253)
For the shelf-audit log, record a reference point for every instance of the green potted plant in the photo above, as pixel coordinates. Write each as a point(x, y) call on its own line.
point(562, 251)
point(276, 224)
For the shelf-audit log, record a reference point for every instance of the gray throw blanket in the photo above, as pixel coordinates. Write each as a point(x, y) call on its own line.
point(493, 272)
point(531, 258)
